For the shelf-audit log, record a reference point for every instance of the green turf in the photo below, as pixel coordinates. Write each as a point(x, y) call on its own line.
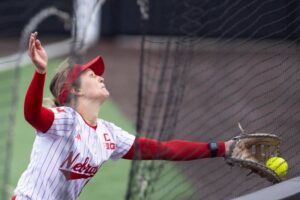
point(111, 180)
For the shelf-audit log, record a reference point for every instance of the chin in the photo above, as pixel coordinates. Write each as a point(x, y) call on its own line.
point(104, 97)
point(107, 94)
point(104, 94)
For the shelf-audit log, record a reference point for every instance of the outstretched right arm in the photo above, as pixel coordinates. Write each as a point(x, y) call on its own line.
point(39, 117)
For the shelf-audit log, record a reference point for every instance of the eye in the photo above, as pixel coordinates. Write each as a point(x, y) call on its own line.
point(92, 75)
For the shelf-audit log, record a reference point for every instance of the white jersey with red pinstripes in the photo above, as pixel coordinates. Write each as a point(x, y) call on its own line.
point(68, 155)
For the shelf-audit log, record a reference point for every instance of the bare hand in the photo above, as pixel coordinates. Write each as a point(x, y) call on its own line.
point(227, 147)
point(37, 54)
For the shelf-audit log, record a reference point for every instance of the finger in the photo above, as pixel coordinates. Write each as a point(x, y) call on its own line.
point(38, 44)
point(35, 34)
point(32, 50)
point(35, 39)
point(30, 42)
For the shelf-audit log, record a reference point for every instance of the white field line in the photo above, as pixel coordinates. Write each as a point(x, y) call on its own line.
point(53, 50)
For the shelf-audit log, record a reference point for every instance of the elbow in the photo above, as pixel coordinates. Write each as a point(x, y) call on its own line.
point(28, 116)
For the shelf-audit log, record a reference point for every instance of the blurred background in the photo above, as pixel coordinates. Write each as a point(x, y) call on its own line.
point(175, 69)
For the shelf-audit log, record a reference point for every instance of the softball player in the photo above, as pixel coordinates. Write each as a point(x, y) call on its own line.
point(71, 141)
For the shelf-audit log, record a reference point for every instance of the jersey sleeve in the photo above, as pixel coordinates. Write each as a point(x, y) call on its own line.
point(35, 114)
point(173, 150)
point(123, 140)
point(63, 123)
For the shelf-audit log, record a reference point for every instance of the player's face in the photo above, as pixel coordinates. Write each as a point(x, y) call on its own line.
point(92, 86)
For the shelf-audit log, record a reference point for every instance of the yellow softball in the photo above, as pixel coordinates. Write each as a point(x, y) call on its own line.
point(278, 165)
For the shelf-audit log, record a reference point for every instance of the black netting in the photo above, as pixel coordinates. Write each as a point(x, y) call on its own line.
point(222, 63)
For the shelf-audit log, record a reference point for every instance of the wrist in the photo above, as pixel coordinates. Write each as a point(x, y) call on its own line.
point(214, 148)
point(40, 71)
point(217, 149)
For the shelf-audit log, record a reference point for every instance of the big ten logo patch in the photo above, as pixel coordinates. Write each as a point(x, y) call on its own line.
point(108, 143)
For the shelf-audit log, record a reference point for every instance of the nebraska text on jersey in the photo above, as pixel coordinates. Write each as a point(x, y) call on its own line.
point(68, 155)
point(76, 170)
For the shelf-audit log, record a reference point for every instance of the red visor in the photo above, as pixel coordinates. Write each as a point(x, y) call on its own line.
point(97, 65)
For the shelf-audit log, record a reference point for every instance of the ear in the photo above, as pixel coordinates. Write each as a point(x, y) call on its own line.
point(76, 91)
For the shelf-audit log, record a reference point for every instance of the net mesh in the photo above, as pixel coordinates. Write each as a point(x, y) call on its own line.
point(35, 17)
point(10, 77)
point(7, 117)
point(222, 63)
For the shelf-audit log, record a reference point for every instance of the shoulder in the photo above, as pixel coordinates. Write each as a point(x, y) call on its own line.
point(106, 124)
point(64, 121)
point(63, 110)
point(110, 127)
point(113, 129)
point(64, 113)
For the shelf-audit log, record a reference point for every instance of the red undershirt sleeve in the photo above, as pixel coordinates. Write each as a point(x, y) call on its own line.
point(39, 117)
point(174, 150)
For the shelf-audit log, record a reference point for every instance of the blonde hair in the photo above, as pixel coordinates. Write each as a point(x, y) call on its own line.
point(58, 81)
